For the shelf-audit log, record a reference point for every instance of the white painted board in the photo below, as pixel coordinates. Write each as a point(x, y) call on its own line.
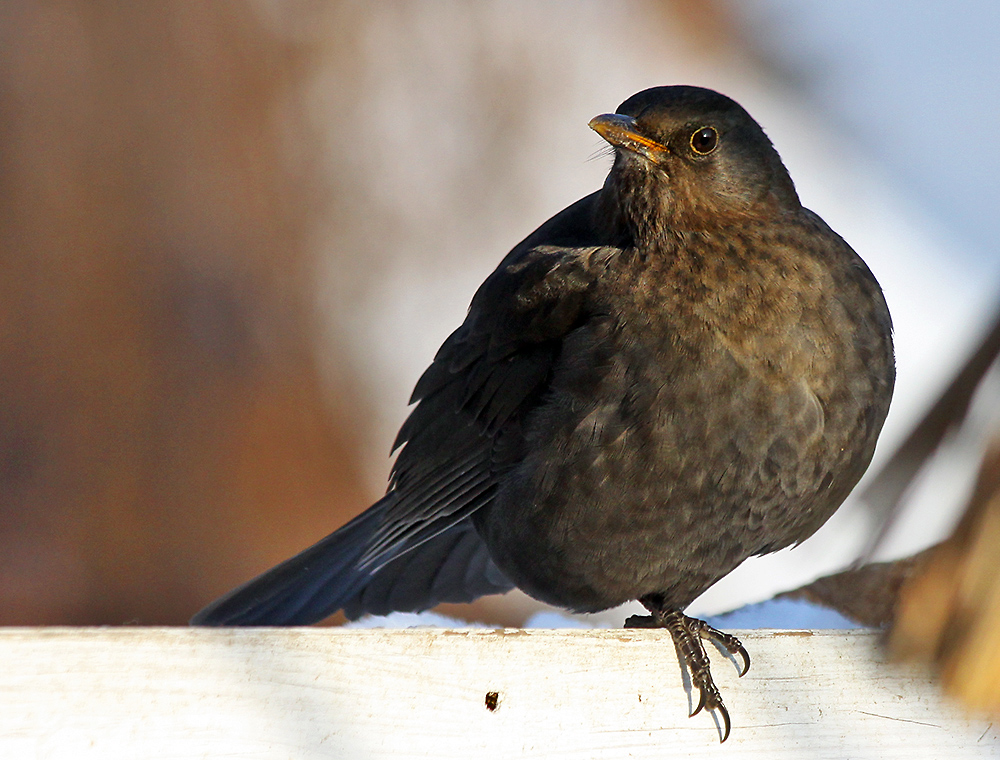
point(421, 693)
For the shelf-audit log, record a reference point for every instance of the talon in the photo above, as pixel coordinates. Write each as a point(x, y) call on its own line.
point(746, 661)
point(727, 641)
point(725, 720)
point(701, 702)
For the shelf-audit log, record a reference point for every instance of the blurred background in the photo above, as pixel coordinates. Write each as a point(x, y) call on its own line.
point(232, 235)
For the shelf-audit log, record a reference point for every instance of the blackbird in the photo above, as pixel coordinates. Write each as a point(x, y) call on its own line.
point(679, 371)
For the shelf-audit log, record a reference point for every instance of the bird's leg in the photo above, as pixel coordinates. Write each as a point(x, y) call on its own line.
point(687, 634)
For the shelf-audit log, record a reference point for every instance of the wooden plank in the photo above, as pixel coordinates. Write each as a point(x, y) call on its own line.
point(423, 693)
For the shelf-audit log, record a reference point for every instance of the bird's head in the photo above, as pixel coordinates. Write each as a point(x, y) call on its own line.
point(688, 158)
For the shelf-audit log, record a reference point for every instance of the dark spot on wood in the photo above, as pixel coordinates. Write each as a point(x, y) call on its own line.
point(492, 700)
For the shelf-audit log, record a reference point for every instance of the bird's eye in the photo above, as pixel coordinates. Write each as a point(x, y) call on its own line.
point(704, 140)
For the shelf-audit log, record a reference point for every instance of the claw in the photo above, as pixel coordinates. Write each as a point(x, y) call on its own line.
point(725, 720)
point(701, 702)
point(727, 641)
point(746, 661)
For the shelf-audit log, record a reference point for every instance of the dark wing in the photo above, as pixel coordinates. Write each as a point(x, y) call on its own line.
point(417, 547)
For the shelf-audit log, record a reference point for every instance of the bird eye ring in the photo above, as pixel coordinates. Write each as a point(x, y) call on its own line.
point(704, 140)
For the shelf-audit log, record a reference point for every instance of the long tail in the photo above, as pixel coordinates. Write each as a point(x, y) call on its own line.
point(451, 566)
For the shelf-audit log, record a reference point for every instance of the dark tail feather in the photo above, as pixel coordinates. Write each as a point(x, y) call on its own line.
point(453, 566)
point(450, 566)
point(308, 587)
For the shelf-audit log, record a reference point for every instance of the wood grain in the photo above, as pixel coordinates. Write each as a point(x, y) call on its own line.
point(428, 693)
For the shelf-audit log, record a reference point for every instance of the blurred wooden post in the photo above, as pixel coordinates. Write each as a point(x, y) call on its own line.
point(262, 693)
point(949, 613)
point(166, 430)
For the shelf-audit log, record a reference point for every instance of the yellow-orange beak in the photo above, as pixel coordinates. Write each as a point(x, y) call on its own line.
point(623, 132)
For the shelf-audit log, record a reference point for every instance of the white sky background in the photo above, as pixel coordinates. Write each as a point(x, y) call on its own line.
point(916, 84)
point(470, 122)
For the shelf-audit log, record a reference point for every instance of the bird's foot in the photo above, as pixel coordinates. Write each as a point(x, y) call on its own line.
point(687, 633)
point(725, 640)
